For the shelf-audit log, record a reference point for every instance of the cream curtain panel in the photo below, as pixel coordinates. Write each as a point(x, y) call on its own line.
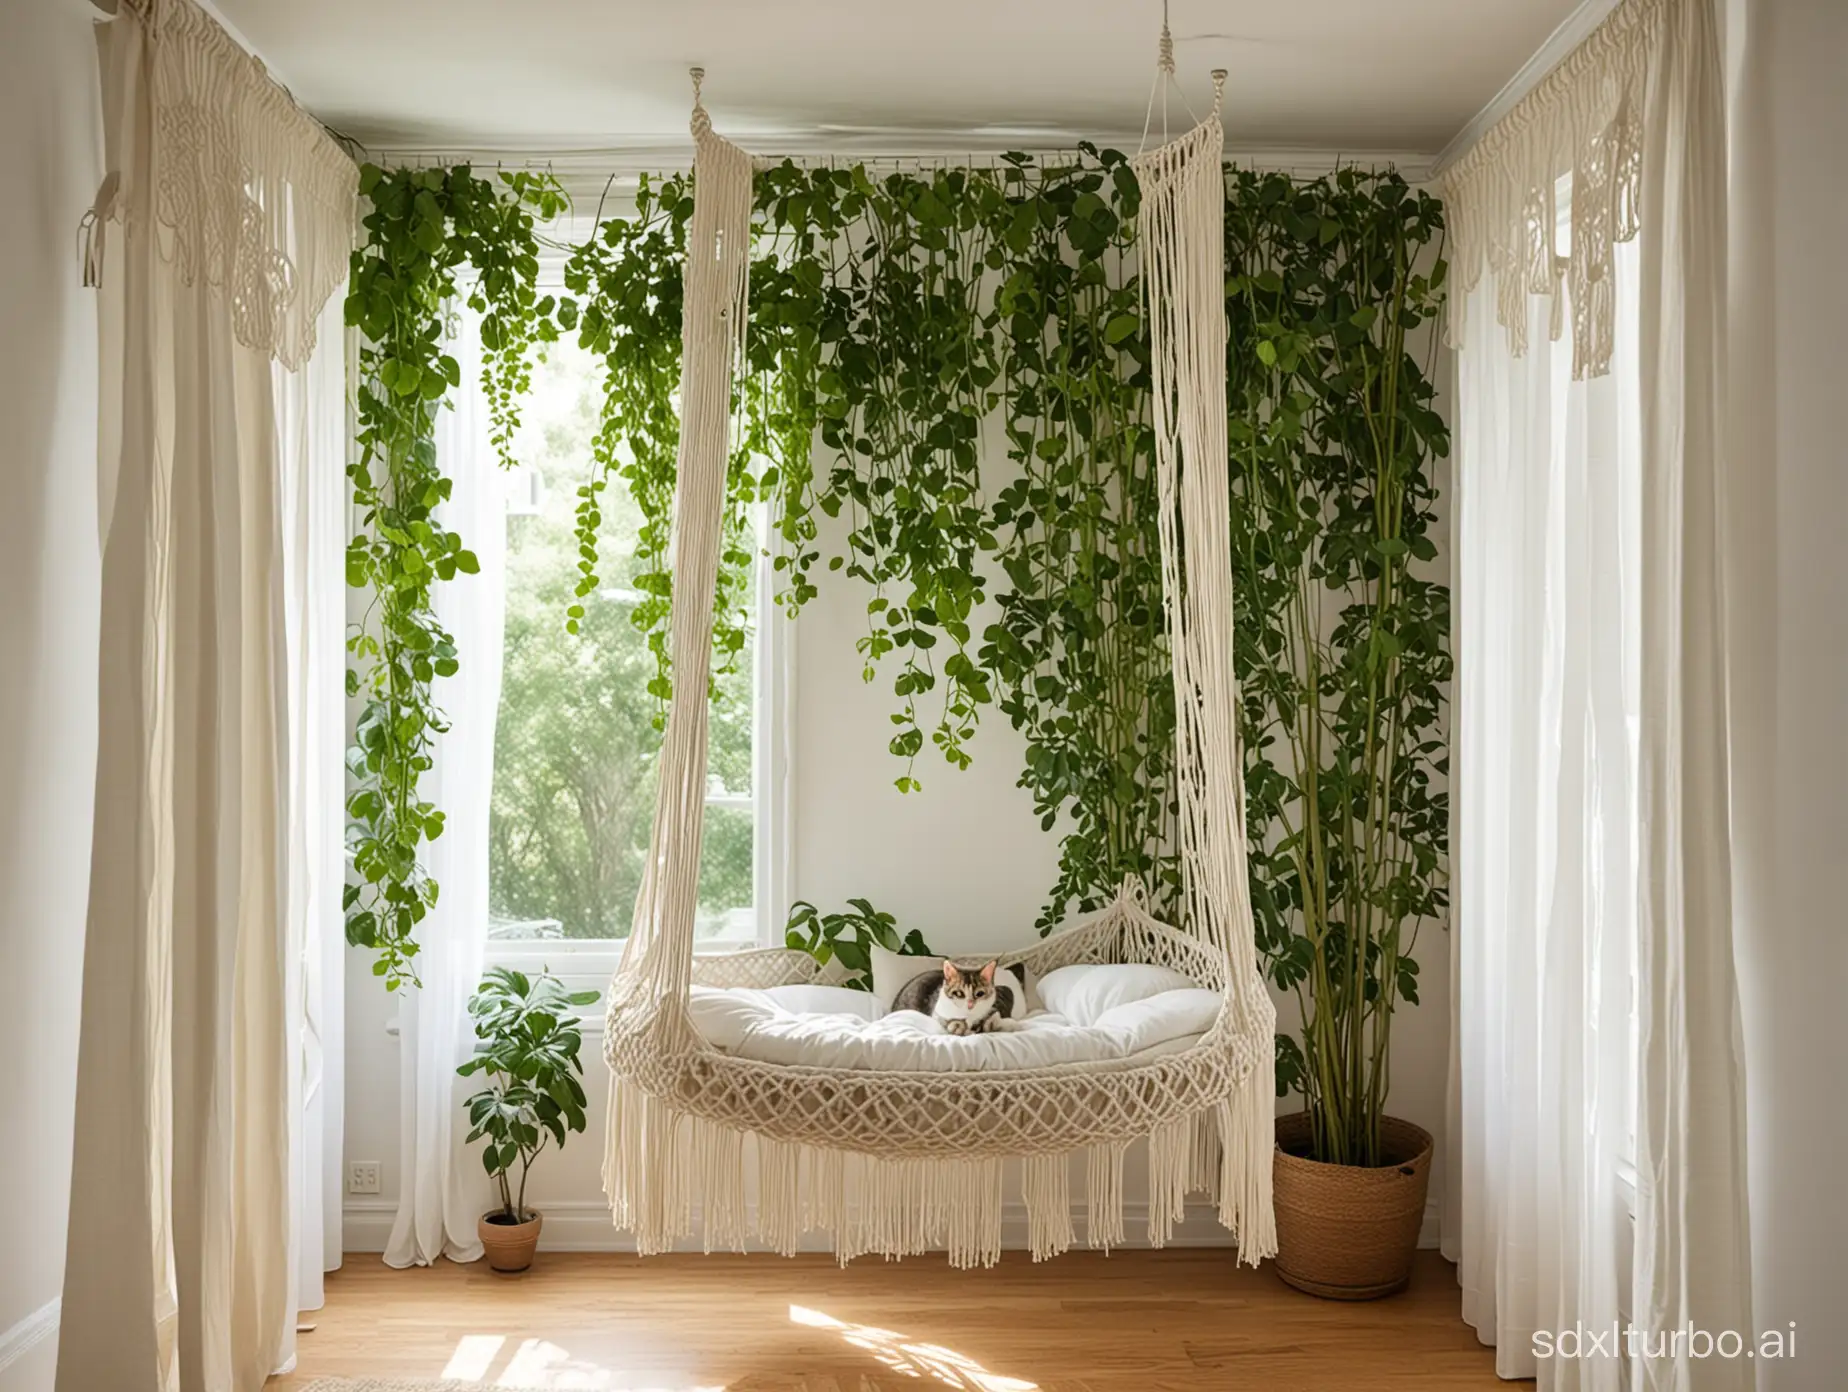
point(229, 217)
point(1587, 584)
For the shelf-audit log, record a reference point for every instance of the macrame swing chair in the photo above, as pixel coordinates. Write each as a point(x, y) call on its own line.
point(905, 1162)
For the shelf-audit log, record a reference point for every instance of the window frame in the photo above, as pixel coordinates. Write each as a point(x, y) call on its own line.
point(587, 963)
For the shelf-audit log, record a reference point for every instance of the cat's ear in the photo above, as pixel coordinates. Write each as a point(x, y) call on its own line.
point(988, 974)
point(949, 970)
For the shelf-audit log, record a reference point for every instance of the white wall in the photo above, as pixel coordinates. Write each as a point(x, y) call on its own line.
point(1789, 579)
point(964, 861)
point(49, 577)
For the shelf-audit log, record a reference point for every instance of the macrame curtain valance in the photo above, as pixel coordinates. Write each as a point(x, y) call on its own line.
point(1580, 127)
point(241, 187)
point(895, 1162)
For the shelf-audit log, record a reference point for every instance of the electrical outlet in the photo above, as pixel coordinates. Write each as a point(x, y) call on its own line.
point(363, 1177)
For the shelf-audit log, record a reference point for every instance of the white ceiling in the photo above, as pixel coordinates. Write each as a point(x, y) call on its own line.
point(1356, 76)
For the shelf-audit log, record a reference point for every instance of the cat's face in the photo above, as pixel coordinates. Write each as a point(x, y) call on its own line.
point(969, 985)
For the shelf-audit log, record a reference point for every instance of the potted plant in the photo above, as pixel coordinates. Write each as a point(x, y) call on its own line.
point(529, 1042)
point(849, 938)
point(1342, 648)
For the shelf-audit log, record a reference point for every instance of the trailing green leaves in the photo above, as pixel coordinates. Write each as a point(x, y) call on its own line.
point(425, 226)
point(625, 292)
point(1079, 650)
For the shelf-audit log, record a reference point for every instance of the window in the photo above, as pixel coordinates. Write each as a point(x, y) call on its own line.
point(576, 742)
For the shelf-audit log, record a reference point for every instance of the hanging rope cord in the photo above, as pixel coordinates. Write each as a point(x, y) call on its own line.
point(1181, 236)
point(718, 267)
point(1164, 79)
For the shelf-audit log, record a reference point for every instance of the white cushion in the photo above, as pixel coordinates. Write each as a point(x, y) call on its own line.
point(752, 1024)
point(727, 1018)
point(893, 971)
point(1083, 993)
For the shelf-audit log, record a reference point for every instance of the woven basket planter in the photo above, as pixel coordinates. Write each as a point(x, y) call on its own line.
point(1347, 1232)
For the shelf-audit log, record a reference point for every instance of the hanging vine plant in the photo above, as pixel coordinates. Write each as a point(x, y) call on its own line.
point(425, 228)
point(871, 305)
point(625, 289)
point(1079, 649)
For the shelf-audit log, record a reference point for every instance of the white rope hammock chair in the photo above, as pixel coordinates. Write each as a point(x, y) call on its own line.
point(905, 1162)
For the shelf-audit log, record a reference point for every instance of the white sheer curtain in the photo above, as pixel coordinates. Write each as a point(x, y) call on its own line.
point(442, 1194)
point(311, 411)
point(234, 213)
point(1548, 606)
point(1580, 601)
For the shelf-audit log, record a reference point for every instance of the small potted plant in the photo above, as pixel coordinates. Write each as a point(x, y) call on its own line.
point(529, 1042)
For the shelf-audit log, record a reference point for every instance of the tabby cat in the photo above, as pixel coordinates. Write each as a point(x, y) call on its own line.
point(967, 1000)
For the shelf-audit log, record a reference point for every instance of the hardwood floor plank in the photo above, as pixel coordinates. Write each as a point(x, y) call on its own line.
point(1135, 1321)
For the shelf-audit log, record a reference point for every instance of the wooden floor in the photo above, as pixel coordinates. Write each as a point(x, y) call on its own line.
point(1136, 1321)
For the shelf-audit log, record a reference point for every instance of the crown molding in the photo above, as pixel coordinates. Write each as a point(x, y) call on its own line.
point(587, 171)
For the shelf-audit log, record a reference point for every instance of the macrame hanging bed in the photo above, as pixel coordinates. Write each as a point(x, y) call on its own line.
point(905, 1162)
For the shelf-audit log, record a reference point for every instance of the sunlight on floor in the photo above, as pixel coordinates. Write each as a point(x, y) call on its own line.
point(915, 1360)
point(542, 1366)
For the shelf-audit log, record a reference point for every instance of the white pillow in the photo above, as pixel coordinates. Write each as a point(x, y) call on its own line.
point(1082, 993)
point(724, 1018)
point(826, 1000)
point(893, 971)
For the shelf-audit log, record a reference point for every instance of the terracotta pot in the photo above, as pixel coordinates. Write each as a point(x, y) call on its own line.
point(510, 1246)
point(1347, 1232)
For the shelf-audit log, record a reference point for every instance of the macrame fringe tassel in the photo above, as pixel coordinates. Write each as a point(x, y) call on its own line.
point(1104, 1196)
point(719, 1160)
point(669, 1175)
point(1578, 132)
point(1247, 1123)
point(779, 1196)
point(636, 1178)
point(1046, 1189)
point(1170, 1154)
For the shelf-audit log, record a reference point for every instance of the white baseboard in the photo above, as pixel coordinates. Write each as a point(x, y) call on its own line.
point(583, 1225)
point(29, 1333)
point(365, 1224)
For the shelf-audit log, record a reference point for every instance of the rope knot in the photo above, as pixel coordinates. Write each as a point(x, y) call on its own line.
point(702, 123)
point(1166, 60)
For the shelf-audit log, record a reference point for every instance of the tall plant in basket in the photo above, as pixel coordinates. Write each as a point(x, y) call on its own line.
point(1343, 655)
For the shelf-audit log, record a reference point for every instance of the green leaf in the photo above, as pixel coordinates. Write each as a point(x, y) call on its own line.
point(1121, 327)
